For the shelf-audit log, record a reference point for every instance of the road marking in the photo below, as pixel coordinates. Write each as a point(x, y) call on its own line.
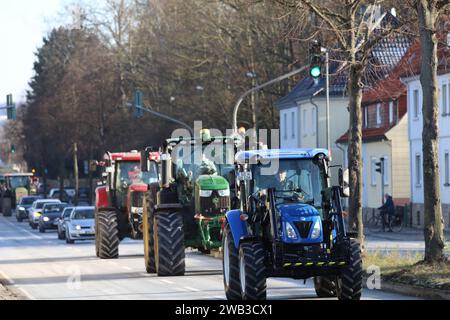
point(13, 284)
point(128, 268)
point(167, 281)
point(192, 289)
point(22, 229)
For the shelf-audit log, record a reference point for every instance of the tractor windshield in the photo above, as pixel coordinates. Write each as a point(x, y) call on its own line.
point(19, 182)
point(296, 180)
point(129, 172)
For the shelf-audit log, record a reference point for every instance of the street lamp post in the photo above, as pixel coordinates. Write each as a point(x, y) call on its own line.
point(259, 87)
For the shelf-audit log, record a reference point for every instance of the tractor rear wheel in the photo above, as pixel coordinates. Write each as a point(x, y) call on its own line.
point(169, 244)
point(325, 287)
point(252, 271)
point(108, 231)
point(149, 247)
point(230, 264)
point(349, 284)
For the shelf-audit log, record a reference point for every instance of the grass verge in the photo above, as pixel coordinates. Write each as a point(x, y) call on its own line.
point(410, 270)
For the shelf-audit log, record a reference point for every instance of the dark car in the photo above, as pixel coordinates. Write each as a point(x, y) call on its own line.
point(50, 213)
point(61, 221)
point(23, 207)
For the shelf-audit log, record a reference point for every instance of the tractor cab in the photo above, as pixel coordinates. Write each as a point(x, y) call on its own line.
point(19, 184)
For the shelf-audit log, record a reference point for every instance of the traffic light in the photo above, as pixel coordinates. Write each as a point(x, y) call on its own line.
point(10, 108)
point(316, 60)
point(380, 166)
point(13, 149)
point(138, 104)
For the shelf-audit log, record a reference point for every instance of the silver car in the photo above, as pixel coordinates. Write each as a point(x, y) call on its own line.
point(65, 216)
point(80, 225)
point(35, 212)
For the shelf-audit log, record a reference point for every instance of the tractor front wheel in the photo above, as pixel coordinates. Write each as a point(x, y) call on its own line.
point(252, 271)
point(325, 287)
point(349, 284)
point(169, 244)
point(230, 264)
point(108, 235)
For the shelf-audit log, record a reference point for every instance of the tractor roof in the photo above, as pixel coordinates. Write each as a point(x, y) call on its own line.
point(281, 154)
point(131, 156)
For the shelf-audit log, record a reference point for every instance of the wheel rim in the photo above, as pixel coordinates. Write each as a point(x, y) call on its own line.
point(242, 272)
point(226, 261)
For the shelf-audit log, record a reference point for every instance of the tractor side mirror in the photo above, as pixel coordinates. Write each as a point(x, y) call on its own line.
point(344, 183)
point(93, 165)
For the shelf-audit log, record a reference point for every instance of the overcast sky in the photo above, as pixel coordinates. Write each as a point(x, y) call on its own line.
point(23, 24)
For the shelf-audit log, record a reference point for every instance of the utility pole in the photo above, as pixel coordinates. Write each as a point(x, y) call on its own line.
point(327, 76)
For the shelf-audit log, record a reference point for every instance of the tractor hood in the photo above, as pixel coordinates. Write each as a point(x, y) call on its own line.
point(297, 211)
point(209, 182)
point(139, 187)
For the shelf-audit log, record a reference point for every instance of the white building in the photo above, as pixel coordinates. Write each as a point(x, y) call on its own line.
point(415, 119)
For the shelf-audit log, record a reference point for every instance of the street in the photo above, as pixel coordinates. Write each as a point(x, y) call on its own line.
point(38, 266)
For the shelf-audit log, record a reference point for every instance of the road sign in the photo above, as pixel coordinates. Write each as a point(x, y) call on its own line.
point(138, 104)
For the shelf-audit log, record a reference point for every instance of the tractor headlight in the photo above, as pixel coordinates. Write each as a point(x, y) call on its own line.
point(290, 231)
point(46, 219)
point(224, 193)
point(317, 231)
point(205, 193)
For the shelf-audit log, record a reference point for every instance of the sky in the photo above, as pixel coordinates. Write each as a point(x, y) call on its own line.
point(23, 24)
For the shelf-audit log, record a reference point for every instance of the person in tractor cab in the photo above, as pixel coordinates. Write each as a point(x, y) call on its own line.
point(135, 175)
point(207, 167)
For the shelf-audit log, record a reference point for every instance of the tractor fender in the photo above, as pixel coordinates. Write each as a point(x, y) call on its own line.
point(101, 198)
point(238, 227)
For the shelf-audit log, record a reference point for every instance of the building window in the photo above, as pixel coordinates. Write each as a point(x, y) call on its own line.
point(418, 168)
point(366, 117)
point(373, 168)
point(285, 127)
point(305, 132)
point(416, 103)
point(444, 95)
point(386, 171)
point(391, 112)
point(293, 125)
point(313, 121)
point(446, 169)
point(378, 115)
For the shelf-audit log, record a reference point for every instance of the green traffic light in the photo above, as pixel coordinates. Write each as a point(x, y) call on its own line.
point(315, 72)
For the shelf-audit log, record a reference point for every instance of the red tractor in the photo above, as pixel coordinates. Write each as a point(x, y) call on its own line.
point(119, 200)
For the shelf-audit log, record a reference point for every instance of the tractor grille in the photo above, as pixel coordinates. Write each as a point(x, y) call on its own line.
point(304, 228)
point(137, 199)
point(214, 205)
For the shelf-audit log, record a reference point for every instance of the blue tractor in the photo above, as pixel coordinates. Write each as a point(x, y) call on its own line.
point(290, 224)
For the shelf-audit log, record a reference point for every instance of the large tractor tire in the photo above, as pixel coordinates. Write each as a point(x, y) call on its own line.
point(230, 264)
point(349, 284)
point(149, 243)
point(325, 287)
point(169, 244)
point(97, 236)
point(252, 271)
point(108, 240)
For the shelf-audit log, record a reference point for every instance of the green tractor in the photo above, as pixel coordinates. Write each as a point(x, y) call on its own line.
point(187, 208)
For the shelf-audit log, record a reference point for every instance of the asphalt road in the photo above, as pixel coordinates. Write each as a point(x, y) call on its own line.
point(38, 266)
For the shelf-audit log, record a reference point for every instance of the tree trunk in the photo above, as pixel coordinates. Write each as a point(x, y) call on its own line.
point(75, 173)
point(354, 152)
point(434, 223)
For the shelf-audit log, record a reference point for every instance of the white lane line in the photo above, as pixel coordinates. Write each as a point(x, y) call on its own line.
point(12, 284)
point(192, 289)
point(24, 230)
point(167, 281)
point(128, 268)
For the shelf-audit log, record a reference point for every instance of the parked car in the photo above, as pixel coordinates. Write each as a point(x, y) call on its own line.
point(55, 194)
point(34, 213)
point(24, 206)
point(61, 221)
point(50, 212)
point(81, 225)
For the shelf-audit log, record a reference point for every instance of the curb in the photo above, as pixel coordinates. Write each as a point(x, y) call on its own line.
point(413, 291)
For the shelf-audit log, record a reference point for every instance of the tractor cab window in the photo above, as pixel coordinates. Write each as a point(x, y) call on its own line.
point(19, 182)
point(130, 172)
point(294, 181)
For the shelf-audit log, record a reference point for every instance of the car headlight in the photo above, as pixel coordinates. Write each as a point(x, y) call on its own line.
point(46, 219)
point(78, 227)
point(317, 231)
point(205, 193)
point(21, 209)
point(290, 231)
point(37, 214)
point(224, 193)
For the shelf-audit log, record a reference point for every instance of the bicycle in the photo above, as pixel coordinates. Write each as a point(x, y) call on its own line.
point(395, 223)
